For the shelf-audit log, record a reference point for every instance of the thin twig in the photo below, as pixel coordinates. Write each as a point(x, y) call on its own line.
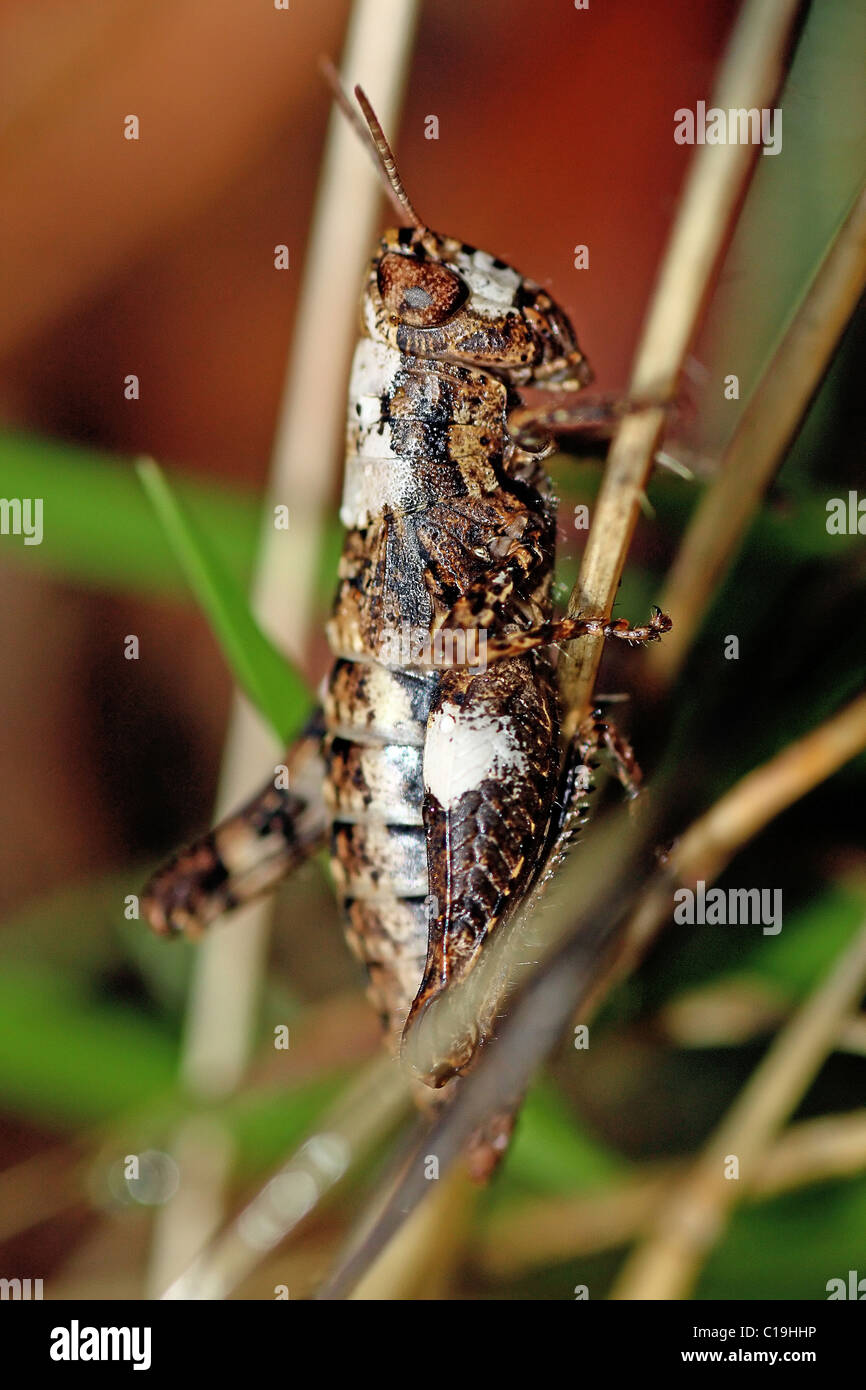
point(762, 794)
point(750, 75)
point(608, 936)
point(690, 1221)
point(418, 1261)
point(701, 852)
point(543, 1231)
point(230, 963)
point(41, 1187)
point(761, 439)
point(726, 1013)
point(735, 1012)
point(357, 1121)
point(712, 841)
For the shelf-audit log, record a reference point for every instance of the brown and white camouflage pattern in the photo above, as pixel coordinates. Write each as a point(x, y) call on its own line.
point(441, 782)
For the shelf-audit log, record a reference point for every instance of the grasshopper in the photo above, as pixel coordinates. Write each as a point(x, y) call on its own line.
point(434, 767)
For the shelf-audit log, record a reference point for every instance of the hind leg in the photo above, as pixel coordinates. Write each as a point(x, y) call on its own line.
point(247, 854)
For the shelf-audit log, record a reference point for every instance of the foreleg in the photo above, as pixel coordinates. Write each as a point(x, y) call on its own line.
point(481, 650)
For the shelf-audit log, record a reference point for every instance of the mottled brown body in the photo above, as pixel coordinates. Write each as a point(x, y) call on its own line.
point(454, 529)
point(439, 774)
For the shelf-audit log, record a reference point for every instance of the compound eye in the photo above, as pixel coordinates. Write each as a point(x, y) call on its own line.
point(422, 294)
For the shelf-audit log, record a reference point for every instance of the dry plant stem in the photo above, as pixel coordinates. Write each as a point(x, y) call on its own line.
point(761, 795)
point(357, 1121)
point(295, 1270)
point(306, 456)
point(852, 1037)
point(713, 840)
point(609, 937)
point(701, 852)
point(749, 77)
point(761, 438)
point(692, 1218)
point(39, 1188)
point(814, 1151)
point(545, 1231)
point(613, 522)
point(418, 1262)
point(728, 1017)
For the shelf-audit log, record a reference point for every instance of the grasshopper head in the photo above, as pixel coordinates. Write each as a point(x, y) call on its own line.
point(434, 296)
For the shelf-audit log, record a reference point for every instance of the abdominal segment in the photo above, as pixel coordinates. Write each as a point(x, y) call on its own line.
point(374, 792)
point(451, 533)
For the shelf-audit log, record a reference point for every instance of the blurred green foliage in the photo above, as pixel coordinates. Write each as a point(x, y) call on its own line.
point(268, 678)
point(72, 1056)
point(101, 530)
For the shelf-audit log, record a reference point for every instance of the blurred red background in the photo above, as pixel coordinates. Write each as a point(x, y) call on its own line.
point(156, 257)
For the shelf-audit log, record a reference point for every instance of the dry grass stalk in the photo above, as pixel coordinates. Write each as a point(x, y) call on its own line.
point(231, 962)
point(758, 445)
point(608, 946)
point(713, 840)
point(689, 1222)
point(750, 75)
point(419, 1261)
point(545, 1231)
point(357, 1121)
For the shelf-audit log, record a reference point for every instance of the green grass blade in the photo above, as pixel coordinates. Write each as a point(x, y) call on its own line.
point(274, 687)
point(99, 529)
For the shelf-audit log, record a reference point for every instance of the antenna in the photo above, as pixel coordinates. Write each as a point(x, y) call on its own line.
point(373, 138)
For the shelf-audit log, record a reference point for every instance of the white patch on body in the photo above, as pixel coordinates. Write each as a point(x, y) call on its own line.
point(374, 367)
point(368, 410)
point(394, 720)
point(492, 287)
point(375, 476)
point(393, 707)
point(370, 485)
point(465, 749)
